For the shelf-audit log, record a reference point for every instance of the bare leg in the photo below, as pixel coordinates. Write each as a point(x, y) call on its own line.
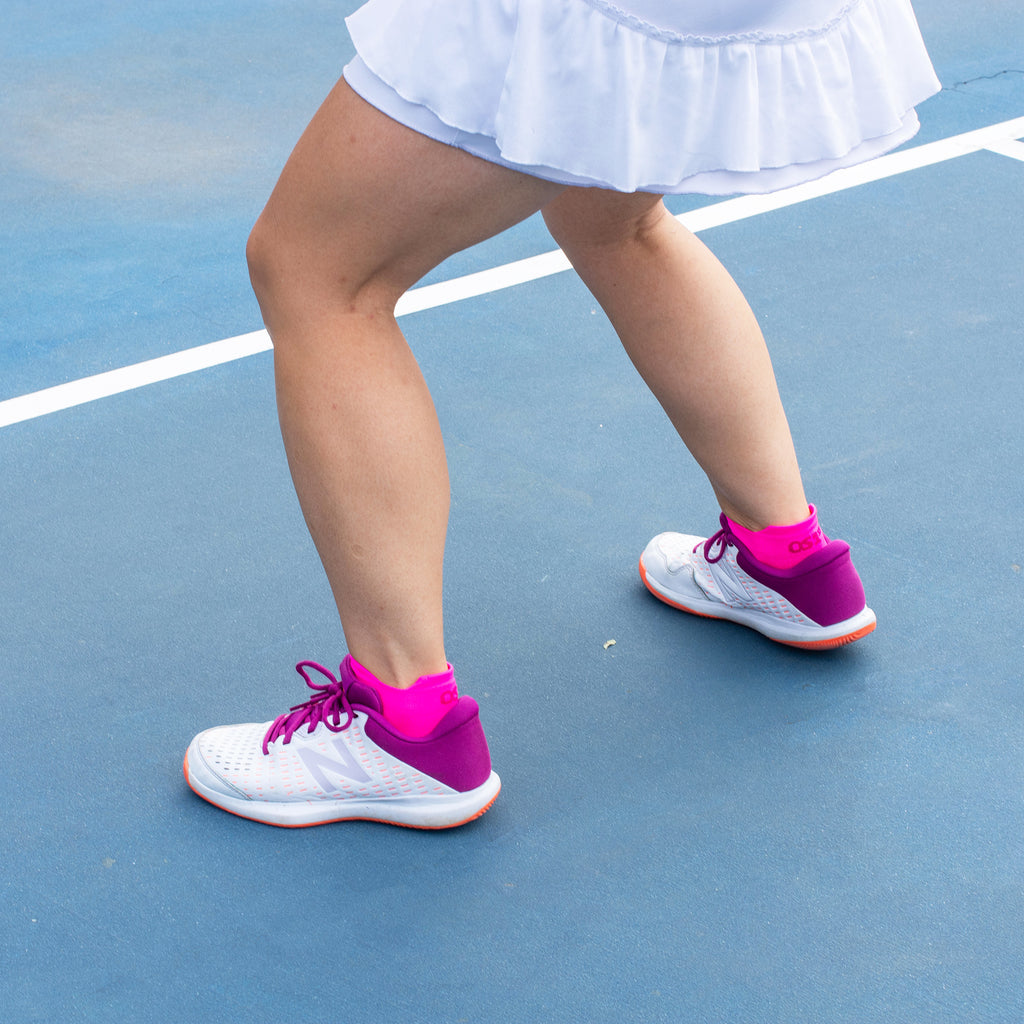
point(690, 333)
point(363, 209)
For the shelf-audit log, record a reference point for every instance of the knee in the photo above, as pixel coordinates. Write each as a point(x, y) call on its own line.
point(286, 279)
point(582, 219)
point(259, 256)
point(297, 274)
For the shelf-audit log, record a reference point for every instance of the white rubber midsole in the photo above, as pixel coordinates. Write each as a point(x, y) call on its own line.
point(435, 811)
point(770, 626)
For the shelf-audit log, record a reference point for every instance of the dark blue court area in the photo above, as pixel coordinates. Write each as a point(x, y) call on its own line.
point(696, 825)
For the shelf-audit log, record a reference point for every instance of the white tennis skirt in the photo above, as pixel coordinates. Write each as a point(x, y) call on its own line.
point(669, 96)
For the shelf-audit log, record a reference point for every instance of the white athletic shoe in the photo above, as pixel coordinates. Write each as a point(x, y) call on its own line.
point(819, 603)
point(336, 758)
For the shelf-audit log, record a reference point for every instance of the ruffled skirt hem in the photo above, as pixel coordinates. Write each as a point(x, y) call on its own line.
point(577, 94)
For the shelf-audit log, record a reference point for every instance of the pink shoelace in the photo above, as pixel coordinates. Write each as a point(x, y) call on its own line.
point(325, 706)
point(723, 539)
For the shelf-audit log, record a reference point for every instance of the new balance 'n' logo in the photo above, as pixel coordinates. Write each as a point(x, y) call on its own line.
point(731, 587)
point(347, 767)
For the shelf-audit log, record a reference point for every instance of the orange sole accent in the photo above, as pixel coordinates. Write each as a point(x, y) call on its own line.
point(823, 645)
point(670, 603)
point(806, 645)
point(332, 821)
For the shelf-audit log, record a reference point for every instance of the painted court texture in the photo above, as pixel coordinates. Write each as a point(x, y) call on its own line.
point(695, 824)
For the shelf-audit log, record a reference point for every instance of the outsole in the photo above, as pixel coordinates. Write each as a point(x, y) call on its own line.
point(333, 821)
point(829, 643)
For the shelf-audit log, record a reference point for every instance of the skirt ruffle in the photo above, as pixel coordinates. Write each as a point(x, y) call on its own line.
point(583, 92)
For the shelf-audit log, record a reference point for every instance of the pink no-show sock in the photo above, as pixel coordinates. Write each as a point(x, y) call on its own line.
point(416, 710)
point(782, 547)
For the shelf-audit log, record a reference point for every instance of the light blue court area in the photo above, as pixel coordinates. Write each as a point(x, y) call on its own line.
point(696, 825)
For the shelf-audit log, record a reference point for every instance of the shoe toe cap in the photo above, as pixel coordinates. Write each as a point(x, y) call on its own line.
point(204, 763)
point(670, 554)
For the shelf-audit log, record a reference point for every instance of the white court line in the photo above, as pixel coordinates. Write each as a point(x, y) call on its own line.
point(1008, 147)
point(1000, 138)
point(128, 378)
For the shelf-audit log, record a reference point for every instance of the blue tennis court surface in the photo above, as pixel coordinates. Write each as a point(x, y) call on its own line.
point(696, 824)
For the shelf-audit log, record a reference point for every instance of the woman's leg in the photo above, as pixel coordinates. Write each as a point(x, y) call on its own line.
point(363, 209)
point(692, 336)
point(690, 333)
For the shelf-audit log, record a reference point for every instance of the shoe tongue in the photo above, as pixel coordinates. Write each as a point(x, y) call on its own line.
point(366, 696)
point(356, 690)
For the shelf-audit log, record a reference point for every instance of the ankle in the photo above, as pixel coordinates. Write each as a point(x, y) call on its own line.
point(784, 546)
point(414, 710)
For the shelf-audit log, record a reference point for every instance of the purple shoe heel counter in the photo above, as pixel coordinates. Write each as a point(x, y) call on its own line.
point(455, 753)
point(825, 586)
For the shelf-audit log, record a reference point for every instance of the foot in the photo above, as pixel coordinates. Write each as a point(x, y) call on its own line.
point(336, 758)
point(819, 603)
